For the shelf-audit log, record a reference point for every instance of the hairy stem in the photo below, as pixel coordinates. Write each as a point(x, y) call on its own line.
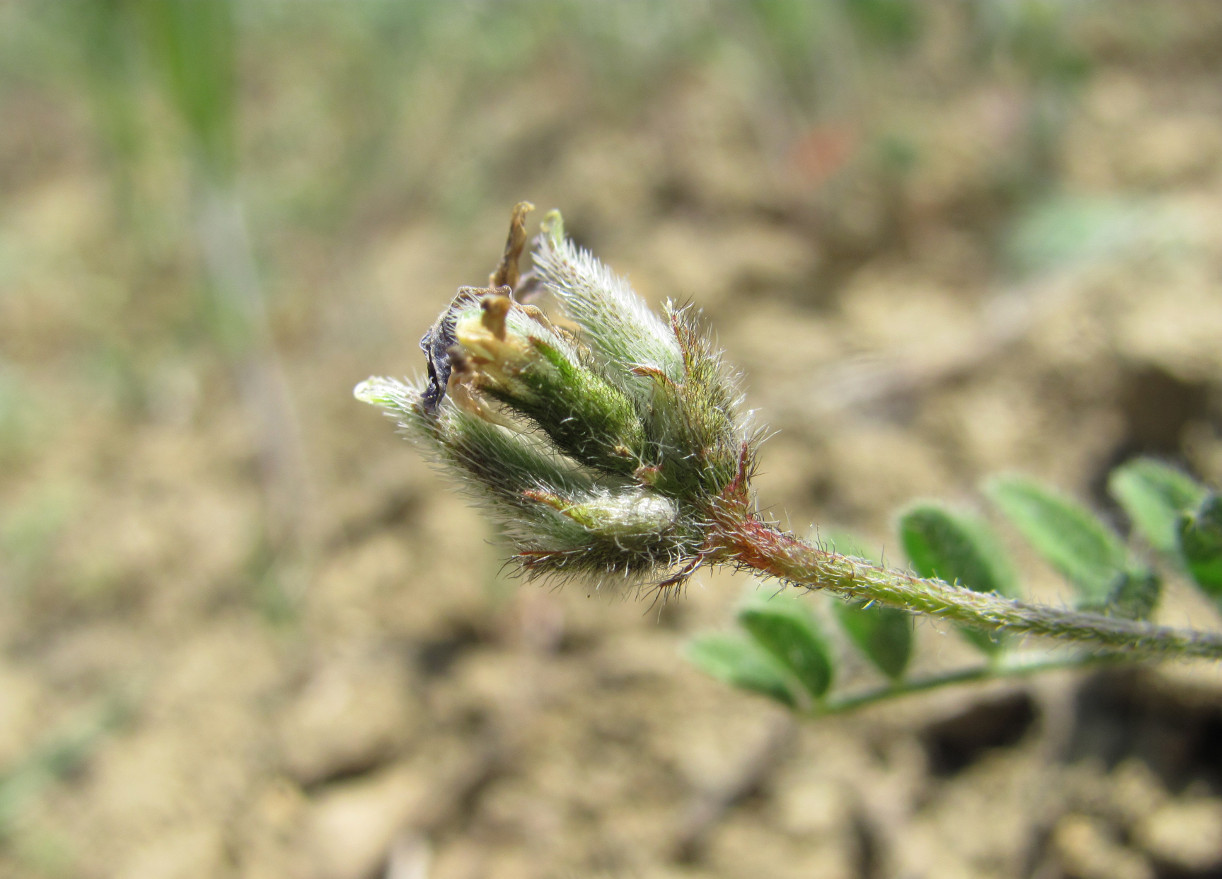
point(765, 550)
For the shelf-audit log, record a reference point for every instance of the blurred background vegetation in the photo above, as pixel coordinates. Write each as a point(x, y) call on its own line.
point(247, 633)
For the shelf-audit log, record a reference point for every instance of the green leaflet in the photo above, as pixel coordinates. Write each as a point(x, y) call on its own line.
point(787, 631)
point(1135, 594)
point(882, 634)
point(741, 662)
point(1069, 537)
point(958, 549)
point(1154, 495)
point(621, 330)
point(1080, 546)
point(1200, 543)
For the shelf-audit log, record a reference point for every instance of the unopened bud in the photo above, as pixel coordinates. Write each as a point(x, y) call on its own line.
point(608, 451)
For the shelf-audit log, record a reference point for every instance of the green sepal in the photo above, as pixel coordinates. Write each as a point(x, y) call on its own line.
point(786, 629)
point(741, 662)
point(501, 462)
point(616, 325)
point(694, 414)
point(552, 228)
point(585, 415)
point(1069, 537)
point(1154, 495)
point(1200, 544)
point(958, 549)
point(882, 634)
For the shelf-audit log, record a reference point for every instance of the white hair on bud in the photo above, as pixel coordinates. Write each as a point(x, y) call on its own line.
point(618, 326)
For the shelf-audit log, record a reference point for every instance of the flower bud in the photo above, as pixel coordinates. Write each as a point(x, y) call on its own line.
point(618, 327)
point(507, 353)
point(609, 451)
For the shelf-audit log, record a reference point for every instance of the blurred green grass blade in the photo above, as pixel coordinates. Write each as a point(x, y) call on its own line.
point(739, 661)
point(882, 634)
point(108, 44)
point(1200, 543)
point(1154, 495)
point(1068, 536)
point(892, 23)
point(787, 631)
point(193, 43)
point(958, 549)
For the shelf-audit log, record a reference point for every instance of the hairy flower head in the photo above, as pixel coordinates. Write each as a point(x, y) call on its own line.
point(610, 447)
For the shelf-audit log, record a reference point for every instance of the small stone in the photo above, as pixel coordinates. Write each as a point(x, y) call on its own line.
point(352, 827)
point(177, 854)
point(352, 715)
point(814, 807)
point(1185, 835)
point(1088, 849)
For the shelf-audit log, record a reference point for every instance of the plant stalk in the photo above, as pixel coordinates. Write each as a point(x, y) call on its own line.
point(759, 547)
point(1017, 666)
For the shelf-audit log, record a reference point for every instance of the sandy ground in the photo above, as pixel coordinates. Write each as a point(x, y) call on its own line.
point(179, 699)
